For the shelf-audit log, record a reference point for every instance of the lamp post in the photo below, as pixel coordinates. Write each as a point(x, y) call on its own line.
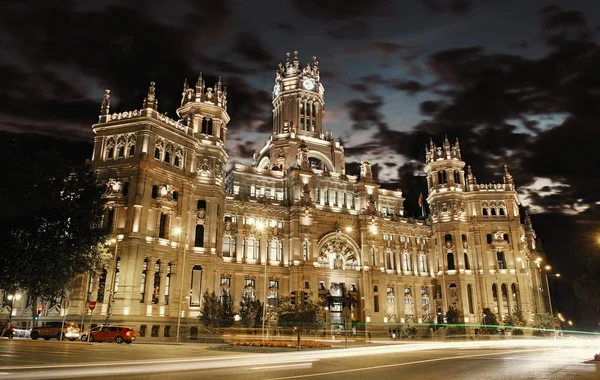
point(12, 298)
point(181, 274)
point(111, 293)
point(548, 267)
point(260, 226)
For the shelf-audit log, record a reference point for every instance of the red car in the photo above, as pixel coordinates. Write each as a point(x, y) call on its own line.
point(113, 334)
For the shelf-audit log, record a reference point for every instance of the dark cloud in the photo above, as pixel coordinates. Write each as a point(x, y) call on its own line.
point(365, 113)
point(453, 6)
point(411, 87)
point(349, 29)
point(248, 106)
point(342, 9)
point(285, 26)
point(249, 46)
point(359, 87)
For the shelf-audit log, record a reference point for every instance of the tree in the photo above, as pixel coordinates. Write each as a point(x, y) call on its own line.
point(452, 316)
point(250, 311)
point(227, 315)
point(545, 324)
point(305, 315)
point(490, 322)
point(51, 227)
point(212, 310)
point(515, 319)
point(587, 286)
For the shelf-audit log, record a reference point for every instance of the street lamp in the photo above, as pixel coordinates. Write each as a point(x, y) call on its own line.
point(111, 297)
point(261, 226)
point(548, 286)
point(12, 298)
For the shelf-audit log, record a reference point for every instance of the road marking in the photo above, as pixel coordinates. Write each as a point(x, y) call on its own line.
point(401, 364)
point(307, 364)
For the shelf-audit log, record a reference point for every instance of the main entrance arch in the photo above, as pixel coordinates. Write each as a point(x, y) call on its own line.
point(338, 251)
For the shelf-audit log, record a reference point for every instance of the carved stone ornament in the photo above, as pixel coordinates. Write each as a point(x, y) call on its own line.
point(465, 244)
point(371, 205)
point(449, 244)
point(113, 187)
point(405, 246)
point(390, 244)
point(230, 228)
point(274, 233)
point(337, 254)
point(305, 233)
point(445, 211)
point(306, 199)
point(201, 214)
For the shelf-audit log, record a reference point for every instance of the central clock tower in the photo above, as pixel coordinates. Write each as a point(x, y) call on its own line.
point(298, 99)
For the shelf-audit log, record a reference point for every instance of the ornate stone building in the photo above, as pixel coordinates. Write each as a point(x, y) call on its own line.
point(292, 221)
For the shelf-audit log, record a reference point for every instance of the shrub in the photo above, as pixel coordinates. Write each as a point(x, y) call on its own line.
point(408, 332)
point(517, 332)
point(278, 343)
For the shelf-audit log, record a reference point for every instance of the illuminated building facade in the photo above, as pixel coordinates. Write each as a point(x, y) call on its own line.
point(292, 221)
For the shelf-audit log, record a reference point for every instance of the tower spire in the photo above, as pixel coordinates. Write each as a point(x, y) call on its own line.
point(508, 178)
point(105, 107)
point(151, 101)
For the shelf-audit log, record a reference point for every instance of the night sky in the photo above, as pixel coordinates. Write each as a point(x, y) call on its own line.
point(518, 82)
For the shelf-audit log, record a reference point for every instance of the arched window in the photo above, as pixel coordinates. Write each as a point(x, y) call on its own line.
point(506, 238)
point(131, 150)
point(204, 125)
point(448, 237)
point(199, 237)
point(121, 151)
point(167, 283)
point(176, 161)
point(493, 211)
point(175, 196)
point(156, 287)
point(489, 238)
point(390, 259)
point(467, 265)
point(422, 263)
point(157, 153)
point(209, 128)
point(495, 298)
point(504, 289)
point(167, 157)
point(515, 296)
point(405, 263)
point(502, 212)
point(484, 211)
point(451, 261)
point(111, 153)
point(154, 191)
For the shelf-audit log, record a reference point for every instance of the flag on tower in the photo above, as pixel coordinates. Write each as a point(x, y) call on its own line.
point(421, 204)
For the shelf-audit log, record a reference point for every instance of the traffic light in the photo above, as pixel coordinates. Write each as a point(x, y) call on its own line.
point(304, 297)
point(293, 298)
point(39, 311)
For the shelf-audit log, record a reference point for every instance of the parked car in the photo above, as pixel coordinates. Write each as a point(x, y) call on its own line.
point(84, 335)
point(117, 334)
point(54, 330)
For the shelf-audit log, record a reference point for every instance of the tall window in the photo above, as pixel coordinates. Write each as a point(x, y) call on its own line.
point(199, 236)
point(110, 219)
point(196, 286)
point(373, 256)
point(121, 151)
point(131, 150)
point(305, 250)
point(201, 204)
point(317, 195)
point(226, 246)
point(422, 263)
point(515, 296)
point(156, 287)
point(501, 262)
point(451, 261)
point(405, 264)
point(280, 256)
point(470, 297)
point(162, 227)
point(168, 284)
point(273, 293)
point(117, 270)
point(495, 297)
point(274, 247)
point(101, 285)
point(143, 282)
point(467, 265)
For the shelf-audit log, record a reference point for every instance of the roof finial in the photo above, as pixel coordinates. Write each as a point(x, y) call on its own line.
point(150, 101)
point(105, 107)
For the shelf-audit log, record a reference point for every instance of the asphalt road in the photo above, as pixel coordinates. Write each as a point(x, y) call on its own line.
point(475, 360)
